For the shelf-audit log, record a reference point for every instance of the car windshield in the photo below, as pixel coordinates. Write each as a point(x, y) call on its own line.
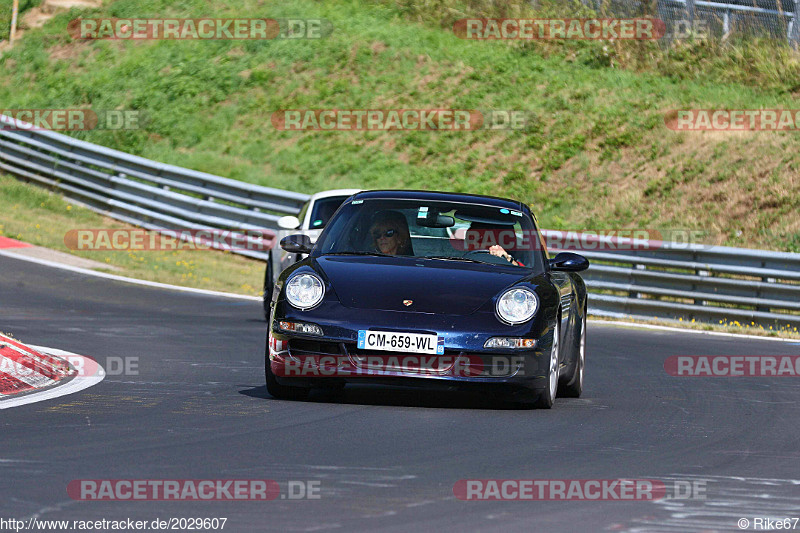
point(446, 231)
point(323, 210)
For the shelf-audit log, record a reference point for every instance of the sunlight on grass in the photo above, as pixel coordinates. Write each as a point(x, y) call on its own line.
point(36, 216)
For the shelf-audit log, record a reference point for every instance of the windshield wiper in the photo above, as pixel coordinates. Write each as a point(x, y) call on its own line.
point(442, 257)
point(377, 254)
point(451, 258)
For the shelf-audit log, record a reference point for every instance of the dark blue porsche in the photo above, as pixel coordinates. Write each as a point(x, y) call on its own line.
point(433, 289)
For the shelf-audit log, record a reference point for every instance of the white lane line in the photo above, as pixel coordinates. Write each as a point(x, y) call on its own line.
point(78, 383)
point(124, 279)
point(701, 332)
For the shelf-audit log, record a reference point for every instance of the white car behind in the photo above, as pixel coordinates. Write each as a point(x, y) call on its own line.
point(311, 220)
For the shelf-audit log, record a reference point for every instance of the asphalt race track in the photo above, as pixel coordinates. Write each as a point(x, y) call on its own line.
point(384, 459)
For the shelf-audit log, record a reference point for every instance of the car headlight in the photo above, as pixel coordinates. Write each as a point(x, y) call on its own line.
point(304, 291)
point(517, 305)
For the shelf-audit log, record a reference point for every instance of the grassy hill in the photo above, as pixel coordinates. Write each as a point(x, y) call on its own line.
point(598, 154)
point(5, 14)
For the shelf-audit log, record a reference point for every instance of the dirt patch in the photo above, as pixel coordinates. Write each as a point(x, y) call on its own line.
point(38, 16)
point(57, 6)
point(35, 18)
point(67, 51)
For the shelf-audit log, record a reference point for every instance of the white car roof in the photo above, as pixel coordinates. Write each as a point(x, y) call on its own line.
point(333, 192)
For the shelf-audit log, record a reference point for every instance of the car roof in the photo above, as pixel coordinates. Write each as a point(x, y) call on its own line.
point(334, 192)
point(442, 197)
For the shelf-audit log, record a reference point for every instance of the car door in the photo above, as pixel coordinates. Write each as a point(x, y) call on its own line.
point(565, 287)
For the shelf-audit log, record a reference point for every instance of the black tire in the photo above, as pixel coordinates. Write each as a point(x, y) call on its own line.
point(547, 397)
point(282, 392)
point(573, 387)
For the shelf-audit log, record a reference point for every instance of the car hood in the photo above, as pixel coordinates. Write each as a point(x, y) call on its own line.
point(433, 286)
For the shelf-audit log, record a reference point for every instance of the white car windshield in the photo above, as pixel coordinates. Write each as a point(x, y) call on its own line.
point(323, 210)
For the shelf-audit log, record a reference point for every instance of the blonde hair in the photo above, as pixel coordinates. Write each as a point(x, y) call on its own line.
point(397, 221)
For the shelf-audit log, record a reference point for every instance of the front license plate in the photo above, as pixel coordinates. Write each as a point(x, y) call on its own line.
point(391, 341)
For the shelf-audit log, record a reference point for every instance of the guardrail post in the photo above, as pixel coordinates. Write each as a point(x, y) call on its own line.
point(726, 23)
point(793, 31)
point(14, 14)
point(699, 272)
point(765, 279)
point(633, 281)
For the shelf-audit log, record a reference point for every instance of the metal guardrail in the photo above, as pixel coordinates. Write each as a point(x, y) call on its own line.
point(716, 284)
point(730, 15)
point(720, 18)
point(668, 280)
point(145, 193)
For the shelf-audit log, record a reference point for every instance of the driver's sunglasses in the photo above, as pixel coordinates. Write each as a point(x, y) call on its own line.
point(388, 234)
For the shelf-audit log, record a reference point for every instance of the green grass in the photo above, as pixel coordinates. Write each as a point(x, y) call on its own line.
point(753, 59)
point(5, 14)
point(37, 216)
point(597, 154)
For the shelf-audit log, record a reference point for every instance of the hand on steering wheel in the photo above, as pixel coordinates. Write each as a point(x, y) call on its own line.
point(499, 251)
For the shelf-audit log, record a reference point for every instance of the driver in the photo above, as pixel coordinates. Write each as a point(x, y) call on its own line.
point(390, 235)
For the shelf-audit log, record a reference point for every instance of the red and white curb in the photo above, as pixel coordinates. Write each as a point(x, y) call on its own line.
point(6, 242)
point(25, 369)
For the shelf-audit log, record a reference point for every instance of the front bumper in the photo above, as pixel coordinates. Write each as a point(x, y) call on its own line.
point(306, 360)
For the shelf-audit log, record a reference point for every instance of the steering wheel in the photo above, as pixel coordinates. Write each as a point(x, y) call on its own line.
point(491, 259)
point(476, 252)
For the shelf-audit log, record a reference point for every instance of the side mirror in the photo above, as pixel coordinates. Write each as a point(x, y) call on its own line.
point(569, 262)
point(289, 222)
point(298, 244)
